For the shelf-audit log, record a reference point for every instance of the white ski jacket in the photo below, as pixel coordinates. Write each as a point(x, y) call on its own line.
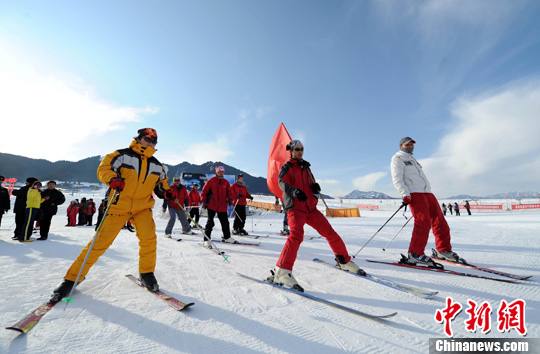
point(407, 175)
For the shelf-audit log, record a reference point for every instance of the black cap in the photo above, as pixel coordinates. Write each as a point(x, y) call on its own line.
point(240, 175)
point(53, 182)
point(405, 140)
point(31, 180)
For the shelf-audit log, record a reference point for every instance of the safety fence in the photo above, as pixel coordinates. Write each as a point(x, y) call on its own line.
point(343, 212)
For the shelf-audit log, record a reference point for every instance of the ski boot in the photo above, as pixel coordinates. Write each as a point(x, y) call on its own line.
point(236, 232)
point(207, 244)
point(349, 266)
point(168, 235)
point(61, 291)
point(285, 232)
point(243, 232)
point(284, 277)
point(422, 261)
point(229, 240)
point(449, 256)
point(149, 281)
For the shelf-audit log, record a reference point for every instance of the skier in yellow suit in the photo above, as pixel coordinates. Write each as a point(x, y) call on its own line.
point(134, 173)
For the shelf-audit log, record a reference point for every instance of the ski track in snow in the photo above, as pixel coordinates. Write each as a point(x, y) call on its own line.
point(234, 315)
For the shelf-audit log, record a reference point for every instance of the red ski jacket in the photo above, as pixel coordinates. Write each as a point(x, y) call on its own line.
point(72, 210)
point(194, 198)
point(177, 196)
point(239, 194)
point(216, 194)
point(296, 174)
point(90, 208)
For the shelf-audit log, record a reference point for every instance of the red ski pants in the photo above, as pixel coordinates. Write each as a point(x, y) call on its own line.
point(428, 215)
point(315, 219)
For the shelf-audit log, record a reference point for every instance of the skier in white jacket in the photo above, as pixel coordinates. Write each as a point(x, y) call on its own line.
point(413, 186)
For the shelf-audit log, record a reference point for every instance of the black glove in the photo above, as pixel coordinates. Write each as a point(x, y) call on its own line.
point(300, 195)
point(250, 198)
point(315, 188)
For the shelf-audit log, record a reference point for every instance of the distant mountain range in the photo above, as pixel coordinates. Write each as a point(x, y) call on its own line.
point(356, 194)
point(84, 170)
point(508, 195)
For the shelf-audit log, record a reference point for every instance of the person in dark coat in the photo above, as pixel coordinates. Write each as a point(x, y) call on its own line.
point(20, 207)
point(101, 211)
point(456, 209)
point(450, 208)
point(5, 204)
point(468, 207)
point(82, 212)
point(52, 198)
point(444, 209)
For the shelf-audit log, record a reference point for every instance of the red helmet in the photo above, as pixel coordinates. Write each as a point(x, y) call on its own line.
point(148, 134)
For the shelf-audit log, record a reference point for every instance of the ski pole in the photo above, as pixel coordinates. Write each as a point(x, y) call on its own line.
point(234, 208)
point(186, 213)
point(111, 201)
point(242, 220)
point(220, 252)
point(324, 201)
point(380, 228)
point(393, 238)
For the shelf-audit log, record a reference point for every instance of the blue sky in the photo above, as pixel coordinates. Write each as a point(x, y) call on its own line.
point(215, 78)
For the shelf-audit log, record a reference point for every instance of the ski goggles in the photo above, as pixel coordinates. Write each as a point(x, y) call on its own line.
point(148, 134)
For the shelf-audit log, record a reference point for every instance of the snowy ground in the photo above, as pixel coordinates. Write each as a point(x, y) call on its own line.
point(233, 315)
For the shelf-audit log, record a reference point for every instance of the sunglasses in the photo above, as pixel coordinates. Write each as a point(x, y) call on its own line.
point(150, 139)
point(298, 149)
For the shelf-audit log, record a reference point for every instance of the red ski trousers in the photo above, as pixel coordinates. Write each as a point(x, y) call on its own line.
point(428, 215)
point(315, 219)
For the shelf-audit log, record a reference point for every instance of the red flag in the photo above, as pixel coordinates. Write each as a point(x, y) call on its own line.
point(276, 158)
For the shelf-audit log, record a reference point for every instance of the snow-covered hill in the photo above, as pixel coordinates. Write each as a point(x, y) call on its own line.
point(109, 314)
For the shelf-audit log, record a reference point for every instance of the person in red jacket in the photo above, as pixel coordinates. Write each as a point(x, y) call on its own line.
point(177, 198)
point(240, 195)
point(300, 198)
point(72, 212)
point(90, 211)
point(194, 203)
point(216, 196)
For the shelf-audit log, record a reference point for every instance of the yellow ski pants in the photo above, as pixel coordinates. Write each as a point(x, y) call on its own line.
point(112, 224)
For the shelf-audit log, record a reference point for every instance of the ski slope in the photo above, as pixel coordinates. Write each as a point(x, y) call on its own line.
point(234, 315)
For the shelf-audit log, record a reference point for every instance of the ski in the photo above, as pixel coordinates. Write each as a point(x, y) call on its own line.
point(320, 299)
point(466, 264)
point(426, 294)
point(254, 236)
point(32, 319)
point(236, 242)
point(171, 301)
point(442, 270)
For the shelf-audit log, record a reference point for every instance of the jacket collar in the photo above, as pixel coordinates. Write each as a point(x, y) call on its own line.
point(404, 155)
point(147, 152)
point(300, 163)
